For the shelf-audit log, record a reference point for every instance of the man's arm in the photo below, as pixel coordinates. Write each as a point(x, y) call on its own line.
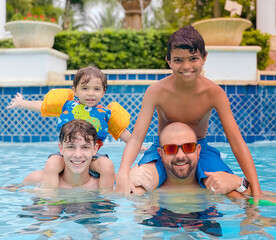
point(19, 102)
point(224, 183)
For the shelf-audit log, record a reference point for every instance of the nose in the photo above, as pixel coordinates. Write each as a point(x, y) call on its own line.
point(180, 152)
point(91, 92)
point(77, 152)
point(186, 64)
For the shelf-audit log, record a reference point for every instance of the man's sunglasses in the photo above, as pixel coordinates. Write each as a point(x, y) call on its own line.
point(172, 149)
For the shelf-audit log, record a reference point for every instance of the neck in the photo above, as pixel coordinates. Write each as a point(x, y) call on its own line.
point(177, 182)
point(185, 86)
point(75, 179)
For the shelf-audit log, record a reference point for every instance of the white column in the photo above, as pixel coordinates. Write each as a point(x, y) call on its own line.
point(2, 18)
point(266, 18)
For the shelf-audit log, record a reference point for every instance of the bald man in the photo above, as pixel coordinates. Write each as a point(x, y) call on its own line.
point(180, 153)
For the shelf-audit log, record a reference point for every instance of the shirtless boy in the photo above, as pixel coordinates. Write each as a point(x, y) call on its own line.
point(77, 145)
point(186, 96)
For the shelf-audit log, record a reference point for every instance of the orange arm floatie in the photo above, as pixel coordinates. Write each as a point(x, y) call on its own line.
point(54, 100)
point(118, 121)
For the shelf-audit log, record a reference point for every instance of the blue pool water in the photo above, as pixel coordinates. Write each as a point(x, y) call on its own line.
point(156, 215)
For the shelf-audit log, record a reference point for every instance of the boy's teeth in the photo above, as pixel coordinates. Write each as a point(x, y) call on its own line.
point(77, 162)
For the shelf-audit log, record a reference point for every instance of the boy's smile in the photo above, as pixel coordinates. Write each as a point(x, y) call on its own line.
point(91, 93)
point(77, 153)
point(186, 64)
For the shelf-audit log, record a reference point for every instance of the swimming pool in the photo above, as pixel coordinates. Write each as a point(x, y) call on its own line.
point(156, 215)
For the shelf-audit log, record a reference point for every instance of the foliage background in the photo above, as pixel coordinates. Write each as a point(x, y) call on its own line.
point(105, 44)
point(125, 49)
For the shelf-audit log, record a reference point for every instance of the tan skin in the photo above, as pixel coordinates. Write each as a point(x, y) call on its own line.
point(77, 159)
point(90, 95)
point(188, 97)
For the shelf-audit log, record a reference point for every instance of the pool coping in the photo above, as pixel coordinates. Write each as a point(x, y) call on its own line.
point(58, 79)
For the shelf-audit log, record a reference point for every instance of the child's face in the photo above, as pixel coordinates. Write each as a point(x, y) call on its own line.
point(186, 65)
point(91, 93)
point(78, 153)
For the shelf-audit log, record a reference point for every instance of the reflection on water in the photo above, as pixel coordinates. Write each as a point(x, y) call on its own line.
point(162, 214)
point(193, 220)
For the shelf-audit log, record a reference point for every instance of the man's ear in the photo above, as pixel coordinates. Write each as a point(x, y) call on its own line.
point(160, 151)
point(198, 148)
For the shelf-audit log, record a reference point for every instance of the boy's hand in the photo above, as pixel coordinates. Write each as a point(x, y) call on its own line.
point(123, 184)
point(266, 195)
point(16, 101)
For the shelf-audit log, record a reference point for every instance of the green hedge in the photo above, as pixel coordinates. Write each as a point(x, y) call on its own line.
point(255, 37)
point(124, 49)
point(108, 49)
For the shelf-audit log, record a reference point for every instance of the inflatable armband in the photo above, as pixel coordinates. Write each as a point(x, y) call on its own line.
point(54, 100)
point(118, 121)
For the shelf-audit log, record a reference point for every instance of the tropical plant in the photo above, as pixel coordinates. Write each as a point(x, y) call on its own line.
point(175, 14)
point(38, 10)
point(78, 7)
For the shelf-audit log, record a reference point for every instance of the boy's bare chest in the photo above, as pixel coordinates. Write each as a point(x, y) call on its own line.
point(191, 109)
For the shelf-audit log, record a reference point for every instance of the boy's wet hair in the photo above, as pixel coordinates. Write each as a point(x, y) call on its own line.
point(186, 38)
point(84, 75)
point(70, 130)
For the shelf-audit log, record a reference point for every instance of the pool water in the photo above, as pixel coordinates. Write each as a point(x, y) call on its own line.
point(195, 214)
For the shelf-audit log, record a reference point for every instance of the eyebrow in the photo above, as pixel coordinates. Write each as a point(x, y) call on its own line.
point(194, 55)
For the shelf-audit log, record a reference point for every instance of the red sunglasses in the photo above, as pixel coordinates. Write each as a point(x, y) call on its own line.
point(172, 149)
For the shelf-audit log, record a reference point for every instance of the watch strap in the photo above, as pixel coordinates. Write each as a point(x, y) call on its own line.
point(244, 185)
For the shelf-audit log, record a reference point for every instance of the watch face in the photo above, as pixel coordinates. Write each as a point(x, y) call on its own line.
point(245, 183)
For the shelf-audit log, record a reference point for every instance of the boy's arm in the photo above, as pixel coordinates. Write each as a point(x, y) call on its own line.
point(33, 177)
point(19, 102)
point(134, 144)
point(53, 167)
point(125, 136)
point(238, 145)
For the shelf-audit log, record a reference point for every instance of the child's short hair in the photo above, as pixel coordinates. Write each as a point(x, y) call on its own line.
point(70, 129)
point(84, 75)
point(186, 38)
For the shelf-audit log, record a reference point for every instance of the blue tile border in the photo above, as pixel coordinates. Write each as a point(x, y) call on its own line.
point(268, 77)
point(127, 76)
point(157, 76)
point(254, 108)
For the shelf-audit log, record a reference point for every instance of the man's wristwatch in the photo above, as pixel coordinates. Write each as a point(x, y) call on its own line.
point(244, 185)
